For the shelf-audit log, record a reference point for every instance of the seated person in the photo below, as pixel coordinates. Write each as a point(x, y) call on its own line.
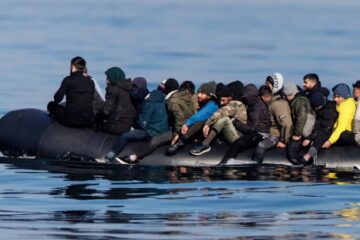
point(303, 120)
point(138, 92)
point(189, 87)
point(79, 92)
point(221, 122)
point(99, 99)
point(356, 127)
point(152, 121)
point(281, 122)
point(326, 116)
point(255, 129)
point(118, 113)
point(206, 96)
point(346, 107)
point(179, 106)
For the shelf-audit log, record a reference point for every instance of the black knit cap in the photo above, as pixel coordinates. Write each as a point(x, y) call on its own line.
point(222, 91)
point(171, 84)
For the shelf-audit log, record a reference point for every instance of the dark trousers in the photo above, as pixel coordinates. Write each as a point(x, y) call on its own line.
point(154, 143)
point(346, 138)
point(192, 131)
point(131, 136)
point(245, 142)
point(293, 150)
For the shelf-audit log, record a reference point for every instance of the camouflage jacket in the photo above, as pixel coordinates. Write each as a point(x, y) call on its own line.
point(234, 109)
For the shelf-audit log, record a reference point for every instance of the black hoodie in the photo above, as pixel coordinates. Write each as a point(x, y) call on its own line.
point(257, 111)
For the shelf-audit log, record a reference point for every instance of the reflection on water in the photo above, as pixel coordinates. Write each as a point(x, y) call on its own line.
point(267, 202)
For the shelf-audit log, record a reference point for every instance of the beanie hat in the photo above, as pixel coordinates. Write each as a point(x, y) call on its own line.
point(222, 91)
point(170, 85)
point(317, 99)
point(276, 80)
point(208, 88)
point(342, 90)
point(237, 89)
point(290, 88)
point(115, 74)
point(140, 82)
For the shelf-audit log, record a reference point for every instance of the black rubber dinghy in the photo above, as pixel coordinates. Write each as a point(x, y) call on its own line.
point(32, 133)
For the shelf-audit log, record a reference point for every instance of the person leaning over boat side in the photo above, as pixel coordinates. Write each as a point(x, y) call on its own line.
point(303, 120)
point(346, 106)
point(257, 126)
point(118, 113)
point(356, 125)
point(99, 99)
point(281, 123)
point(206, 96)
point(79, 92)
point(221, 122)
point(152, 121)
point(138, 92)
point(189, 87)
point(326, 116)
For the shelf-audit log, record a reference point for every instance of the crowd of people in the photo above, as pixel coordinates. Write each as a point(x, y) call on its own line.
point(278, 114)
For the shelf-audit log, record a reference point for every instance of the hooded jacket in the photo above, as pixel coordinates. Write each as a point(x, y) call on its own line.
point(325, 119)
point(300, 108)
point(118, 108)
point(258, 115)
point(153, 115)
point(281, 123)
point(79, 92)
point(203, 114)
point(180, 108)
point(344, 122)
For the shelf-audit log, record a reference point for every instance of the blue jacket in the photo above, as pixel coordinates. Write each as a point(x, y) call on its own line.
point(153, 115)
point(203, 114)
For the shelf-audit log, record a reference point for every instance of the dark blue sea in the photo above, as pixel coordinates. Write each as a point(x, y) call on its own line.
point(189, 40)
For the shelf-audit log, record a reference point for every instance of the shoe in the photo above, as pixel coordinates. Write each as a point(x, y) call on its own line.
point(173, 149)
point(127, 160)
point(121, 161)
point(199, 150)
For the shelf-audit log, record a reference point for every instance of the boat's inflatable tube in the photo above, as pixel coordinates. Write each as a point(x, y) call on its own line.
point(34, 133)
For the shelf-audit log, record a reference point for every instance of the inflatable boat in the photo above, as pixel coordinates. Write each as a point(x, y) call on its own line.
point(31, 133)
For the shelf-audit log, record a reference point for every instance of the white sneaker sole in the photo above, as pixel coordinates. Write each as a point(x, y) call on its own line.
point(202, 152)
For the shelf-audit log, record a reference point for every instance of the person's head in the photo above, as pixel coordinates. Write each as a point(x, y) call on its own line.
point(206, 91)
point(290, 90)
point(139, 82)
point(77, 64)
point(237, 89)
point(188, 86)
point(318, 100)
point(275, 81)
point(356, 90)
point(265, 93)
point(223, 94)
point(168, 85)
point(310, 81)
point(341, 92)
point(114, 75)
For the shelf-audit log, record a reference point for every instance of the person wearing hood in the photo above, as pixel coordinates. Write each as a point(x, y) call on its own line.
point(303, 120)
point(118, 113)
point(326, 116)
point(79, 92)
point(356, 125)
point(221, 122)
point(138, 92)
point(280, 114)
point(152, 121)
point(195, 122)
point(255, 129)
point(345, 106)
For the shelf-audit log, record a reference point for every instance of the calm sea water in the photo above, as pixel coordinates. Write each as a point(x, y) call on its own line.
point(196, 40)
